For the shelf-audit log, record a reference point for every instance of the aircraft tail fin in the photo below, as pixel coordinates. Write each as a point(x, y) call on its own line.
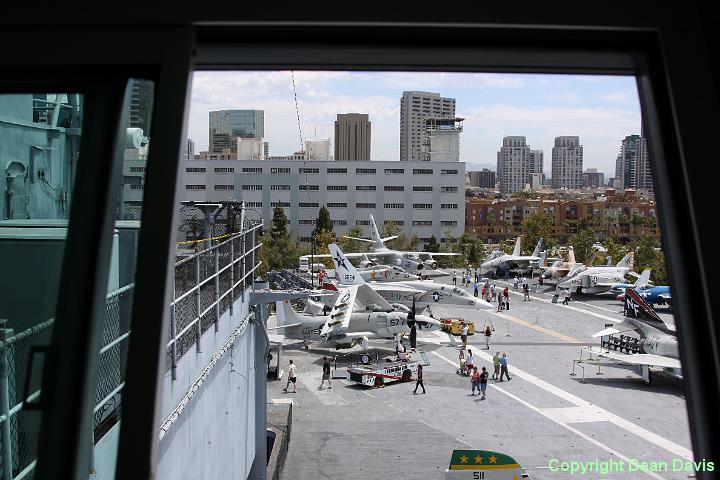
point(625, 262)
point(636, 308)
point(374, 232)
point(543, 262)
point(609, 261)
point(516, 250)
point(344, 270)
point(536, 252)
point(590, 261)
point(571, 256)
point(286, 314)
point(643, 279)
point(388, 238)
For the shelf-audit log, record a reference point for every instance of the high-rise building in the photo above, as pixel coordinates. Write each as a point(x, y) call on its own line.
point(536, 161)
point(141, 105)
point(228, 125)
point(189, 149)
point(483, 179)
point(593, 179)
point(442, 140)
point(318, 149)
point(513, 164)
point(633, 164)
point(266, 149)
point(415, 108)
point(567, 163)
point(352, 137)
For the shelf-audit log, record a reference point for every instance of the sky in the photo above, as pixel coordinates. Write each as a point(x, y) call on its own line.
point(601, 110)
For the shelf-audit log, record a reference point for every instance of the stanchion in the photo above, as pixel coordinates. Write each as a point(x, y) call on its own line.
point(507, 325)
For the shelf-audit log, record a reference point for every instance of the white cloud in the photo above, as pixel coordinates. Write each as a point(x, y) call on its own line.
point(621, 97)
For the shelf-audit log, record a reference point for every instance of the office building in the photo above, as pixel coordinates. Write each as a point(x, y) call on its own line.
point(535, 161)
point(141, 105)
point(228, 125)
point(567, 163)
point(415, 109)
point(482, 179)
point(189, 149)
point(423, 198)
point(626, 161)
point(593, 179)
point(513, 164)
point(352, 137)
point(442, 140)
point(318, 149)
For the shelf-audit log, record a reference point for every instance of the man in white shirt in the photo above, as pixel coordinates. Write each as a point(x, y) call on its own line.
point(292, 377)
point(464, 334)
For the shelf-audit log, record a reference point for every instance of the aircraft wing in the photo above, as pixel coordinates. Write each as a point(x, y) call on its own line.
point(638, 358)
point(326, 255)
point(621, 327)
point(339, 319)
point(366, 295)
point(438, 254)
point(394, 287)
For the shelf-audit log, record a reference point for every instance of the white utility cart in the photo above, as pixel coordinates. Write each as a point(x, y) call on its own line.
point(379, 373)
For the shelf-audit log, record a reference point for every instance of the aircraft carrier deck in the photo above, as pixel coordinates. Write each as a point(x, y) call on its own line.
point(544, 413)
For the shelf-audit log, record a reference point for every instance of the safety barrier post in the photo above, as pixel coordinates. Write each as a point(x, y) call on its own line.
point(198, 327)
point(217, 287)
point(232, 274)
point(5, 438)
point(173, 337)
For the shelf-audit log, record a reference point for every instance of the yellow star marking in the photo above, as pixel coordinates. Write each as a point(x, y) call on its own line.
point(372, 275)
point(478, 459)
point(493, 459)
point(464, 459)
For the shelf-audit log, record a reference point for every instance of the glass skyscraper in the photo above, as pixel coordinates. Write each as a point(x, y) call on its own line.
point(227, 125)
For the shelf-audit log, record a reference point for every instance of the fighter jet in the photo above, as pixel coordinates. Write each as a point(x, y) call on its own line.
point(596, 279)
point(424, 293)
point(498, 261)
point(386, 273)
point(642, 280)
point(657, 345)
point(559, 269)
point(412, 262)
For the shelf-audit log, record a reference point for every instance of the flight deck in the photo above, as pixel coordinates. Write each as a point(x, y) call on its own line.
point(542, 417)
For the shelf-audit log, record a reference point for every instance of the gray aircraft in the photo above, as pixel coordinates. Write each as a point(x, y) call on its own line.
point(424, 293)
point(657, 343)
point(498, 261)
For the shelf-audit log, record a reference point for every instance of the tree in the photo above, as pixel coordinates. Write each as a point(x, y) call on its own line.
point(582, 244)
point(432, 245)
point(539, 225)
point(659, 273)
point(278, 250)
point(403, 242)
point(349, 245)
point(322, 240)
point(645, 253)
point(614, 250)
point(279, 223)
point(323, 222)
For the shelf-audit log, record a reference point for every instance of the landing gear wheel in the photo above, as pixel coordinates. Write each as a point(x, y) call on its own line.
point(379, 382)
point(365, 359)
point(406, 376)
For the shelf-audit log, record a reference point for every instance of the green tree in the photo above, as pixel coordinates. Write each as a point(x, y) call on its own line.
point(322, 239)
point(659, 273)
point(645, 253)
point(350, 245)
point(432, 245)
point(279, 250)
point(403, 242)
point(614, 250)
point(539, 225)
point(582, 243)
point(323, 221)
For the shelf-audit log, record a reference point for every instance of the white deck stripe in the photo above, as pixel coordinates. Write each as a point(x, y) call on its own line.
point(426, 423)
point(621, 422)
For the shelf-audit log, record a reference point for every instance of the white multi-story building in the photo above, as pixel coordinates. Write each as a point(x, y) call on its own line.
point(415, 108)
point(513, 165)
point(250, 149)
point(422, 198)
point(567, 163)
point(318, 149)
point(442, 139)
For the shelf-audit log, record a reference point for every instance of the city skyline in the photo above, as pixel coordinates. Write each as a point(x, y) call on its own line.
point(601, 110)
